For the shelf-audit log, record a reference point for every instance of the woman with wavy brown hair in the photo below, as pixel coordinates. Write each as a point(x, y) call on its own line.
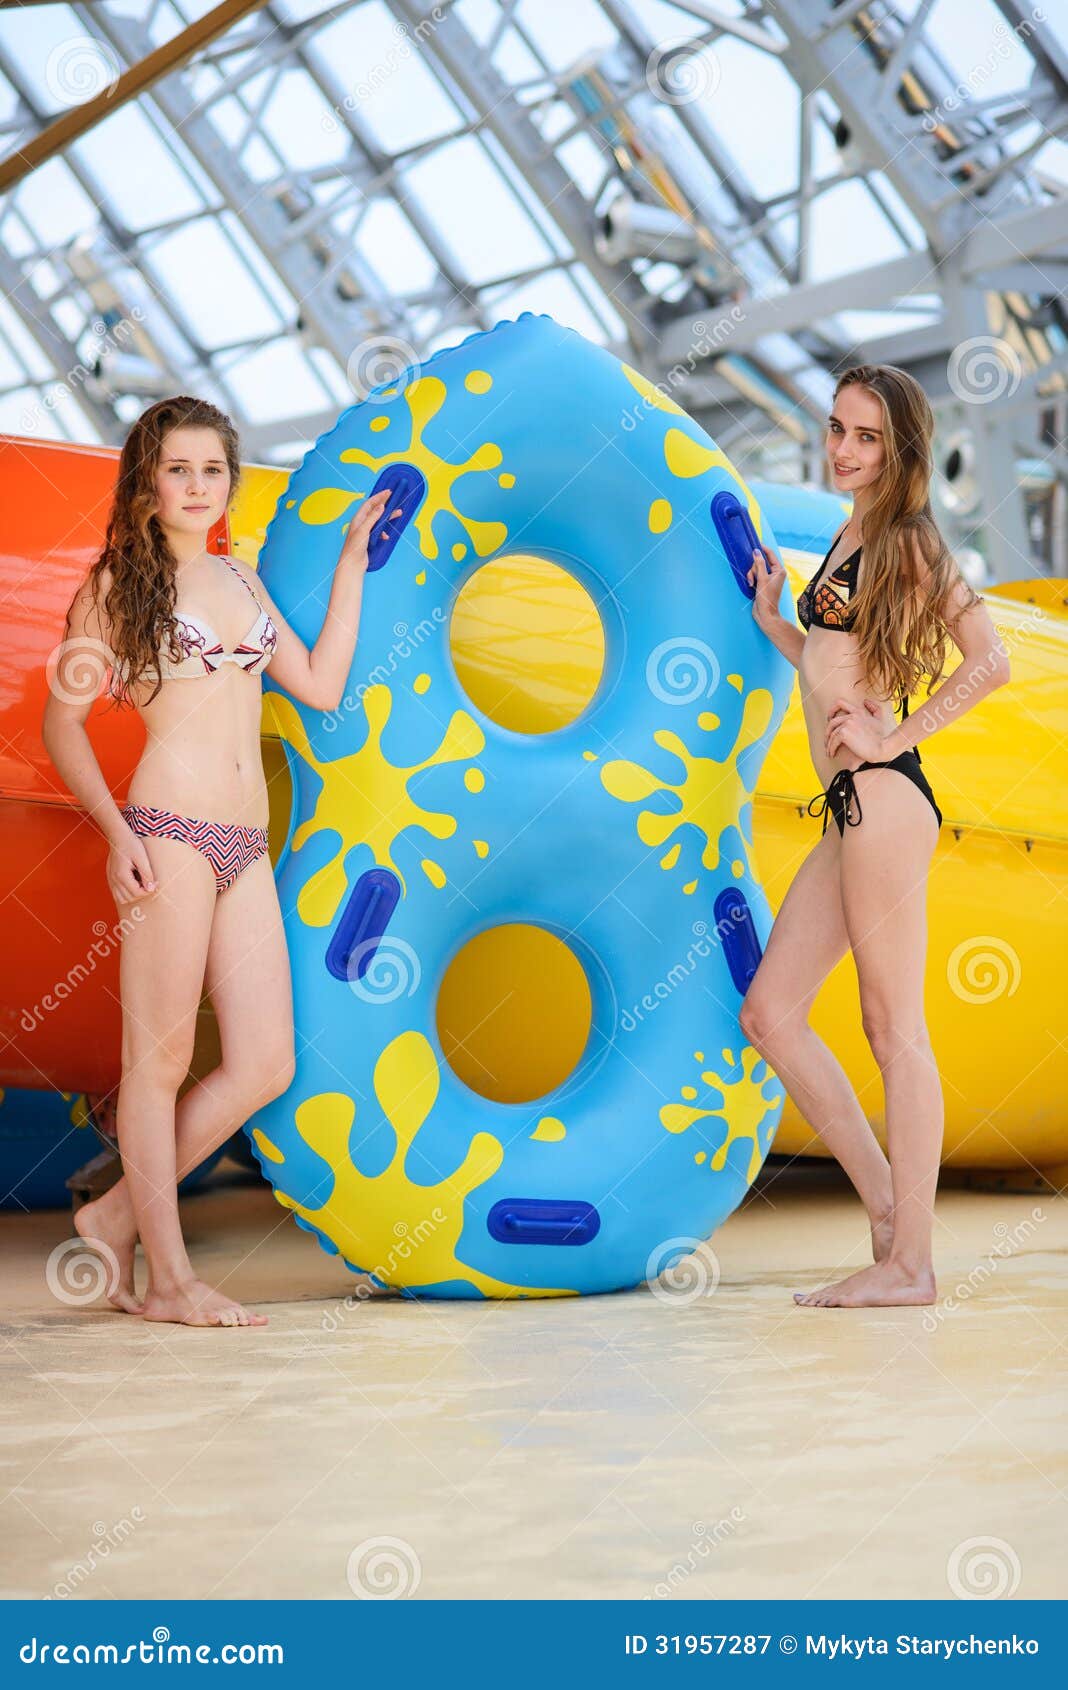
point(187, 635)
point(879, 613)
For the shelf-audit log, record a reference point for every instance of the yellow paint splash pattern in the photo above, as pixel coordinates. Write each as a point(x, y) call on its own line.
point(267, 1147)
point(424, 398)
point(660, 515)
point(368, 1217)
point(549, 1130)
point(659, 401)
point(326, 504)
point(707, 790)
point(364, 797)
point(744, 1108)
point(685, 457)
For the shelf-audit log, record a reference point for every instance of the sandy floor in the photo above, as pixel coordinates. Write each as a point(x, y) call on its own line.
point(720, 1444)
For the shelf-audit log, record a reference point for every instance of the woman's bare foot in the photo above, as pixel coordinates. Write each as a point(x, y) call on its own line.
point(886, 1284)
point(882, 1237)
point(108, 1221)
point(196, 1304)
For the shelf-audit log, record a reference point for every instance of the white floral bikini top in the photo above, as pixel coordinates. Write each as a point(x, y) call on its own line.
point(203, 651)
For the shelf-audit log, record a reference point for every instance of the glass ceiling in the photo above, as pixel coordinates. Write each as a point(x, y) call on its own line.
point(321, 177)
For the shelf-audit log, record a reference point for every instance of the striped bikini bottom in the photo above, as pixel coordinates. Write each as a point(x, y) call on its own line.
point(228, 846)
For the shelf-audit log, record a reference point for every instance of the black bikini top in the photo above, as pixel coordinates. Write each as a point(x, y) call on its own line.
point(821, 607)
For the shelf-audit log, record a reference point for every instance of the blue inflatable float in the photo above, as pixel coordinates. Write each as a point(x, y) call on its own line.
point(422, 826)
point(45, 1137)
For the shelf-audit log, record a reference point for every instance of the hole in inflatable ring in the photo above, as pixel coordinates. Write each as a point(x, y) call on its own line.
point(527, 643)
point(514, 1012)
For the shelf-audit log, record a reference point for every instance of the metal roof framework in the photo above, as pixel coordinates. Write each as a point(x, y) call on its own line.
point(288, 229)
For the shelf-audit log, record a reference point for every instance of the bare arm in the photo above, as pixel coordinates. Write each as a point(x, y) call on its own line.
point(81, 663)
point(784, 635)
point(317, 677)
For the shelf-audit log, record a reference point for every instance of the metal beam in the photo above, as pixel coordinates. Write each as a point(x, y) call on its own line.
point(130, 85)
point(455, 51)
point(59, 351)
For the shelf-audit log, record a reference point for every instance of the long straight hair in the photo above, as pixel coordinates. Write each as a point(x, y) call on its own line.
point(140, 602)
point(899, 622)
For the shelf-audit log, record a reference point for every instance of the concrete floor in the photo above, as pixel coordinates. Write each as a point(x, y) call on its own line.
point(731, 1445)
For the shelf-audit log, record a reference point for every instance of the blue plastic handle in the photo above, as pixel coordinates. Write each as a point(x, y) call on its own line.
point(734, 920)
point(739, 538)
point(542, 1220)
point(363, 922)
point(407, 488)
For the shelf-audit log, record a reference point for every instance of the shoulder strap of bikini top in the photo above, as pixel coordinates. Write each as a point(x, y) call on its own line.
point(244, 583)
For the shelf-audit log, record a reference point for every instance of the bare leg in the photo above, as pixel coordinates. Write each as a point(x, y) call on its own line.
point(161, 975)
point(884, 897)
point(808, 937)
point(247, 941)
point(206, 1115)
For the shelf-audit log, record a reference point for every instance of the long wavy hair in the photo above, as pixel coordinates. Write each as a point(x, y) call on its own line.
point(140, 602)
point(901, 629)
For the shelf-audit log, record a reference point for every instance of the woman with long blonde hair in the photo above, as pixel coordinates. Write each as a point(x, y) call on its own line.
point(878, 615)
point(187, 635)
